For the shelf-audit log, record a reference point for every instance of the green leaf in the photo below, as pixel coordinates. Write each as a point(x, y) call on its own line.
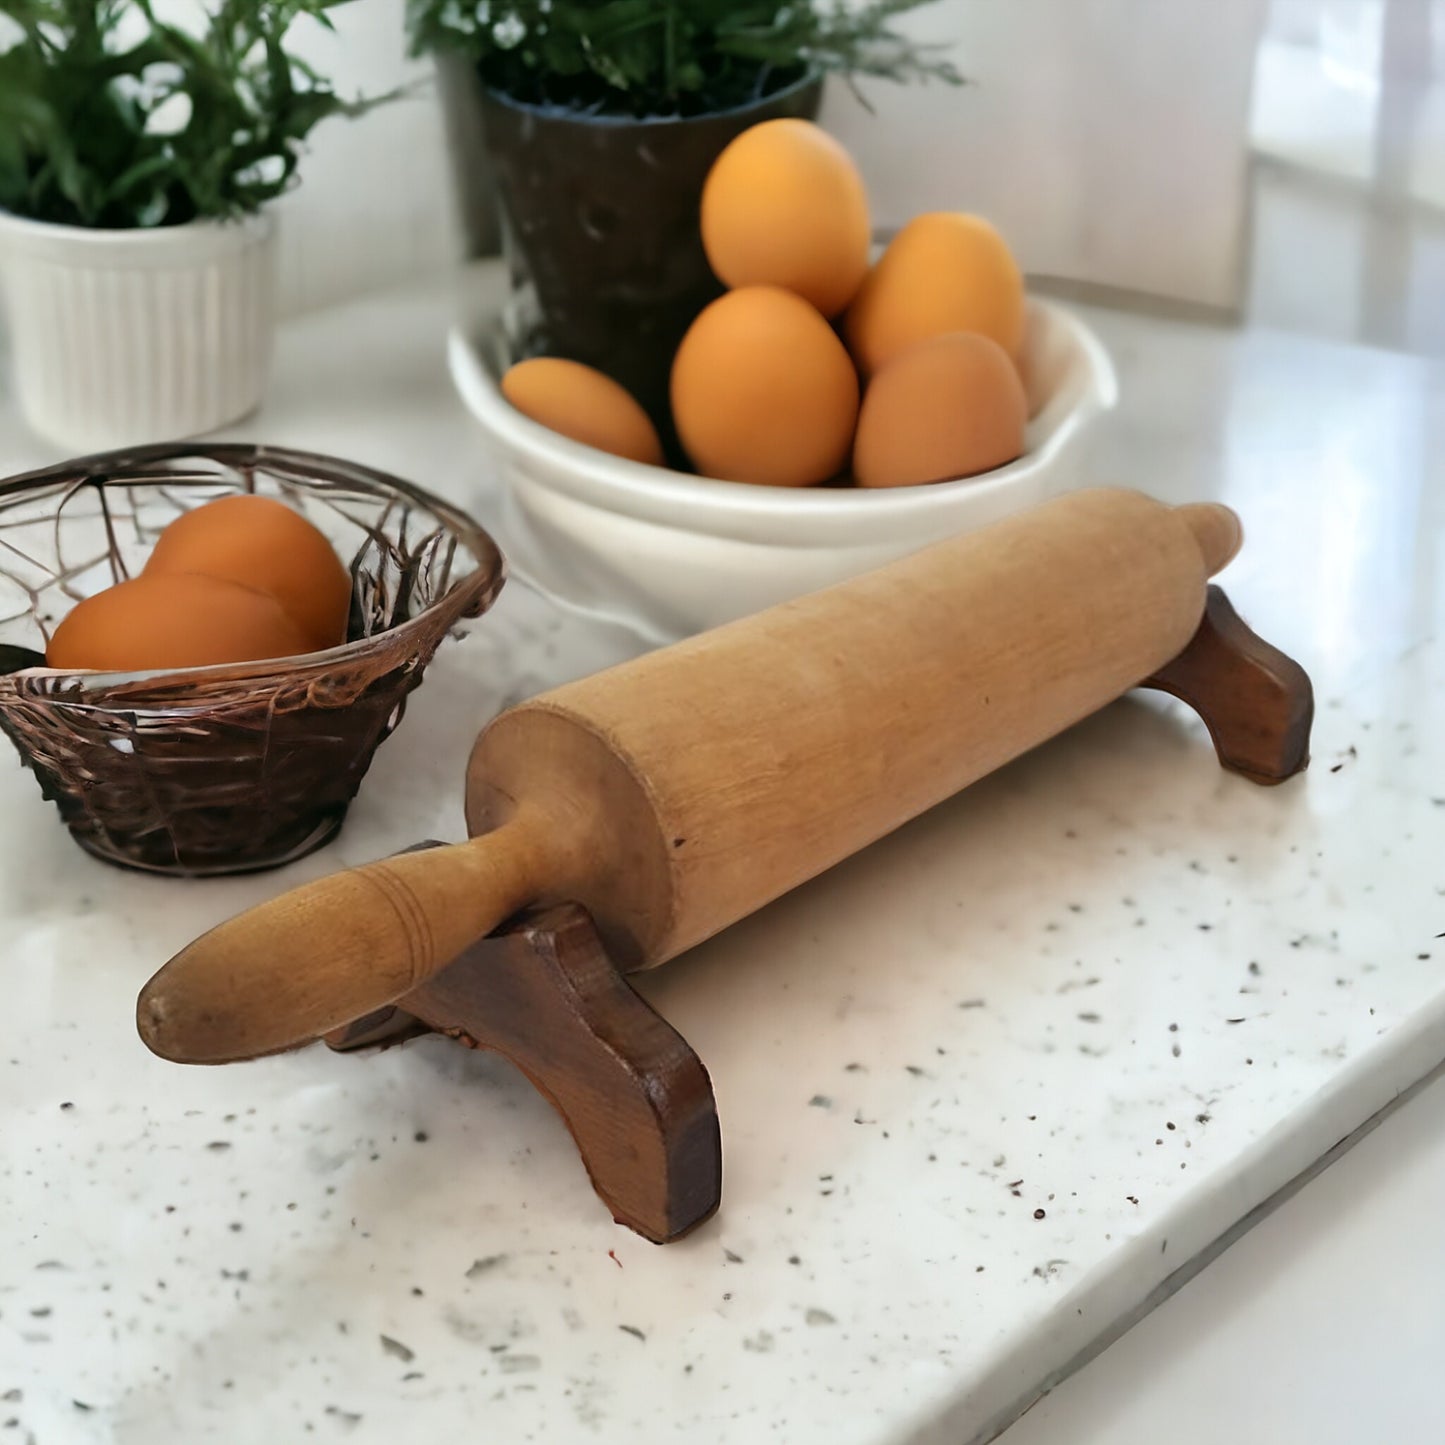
point(668, 57)
point(74, 107)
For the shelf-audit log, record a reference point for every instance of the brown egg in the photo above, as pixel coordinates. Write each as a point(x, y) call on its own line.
point(182, 620)
point(951, 406)
point(763, 391)
point(784, 205)
point(582, 403)
point(944, 271)
point(262, 544)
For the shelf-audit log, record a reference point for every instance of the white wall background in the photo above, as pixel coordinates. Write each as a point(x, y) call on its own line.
point(375, 200)
point(1107, 138)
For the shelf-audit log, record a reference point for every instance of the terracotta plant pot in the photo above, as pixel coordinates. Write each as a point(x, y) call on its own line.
point(601, 216)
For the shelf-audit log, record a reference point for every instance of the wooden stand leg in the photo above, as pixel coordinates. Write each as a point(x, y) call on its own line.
point(1257, 703)
point(635, 1096)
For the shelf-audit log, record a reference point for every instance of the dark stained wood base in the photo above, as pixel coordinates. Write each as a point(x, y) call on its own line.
point(637, 1099)
point(1257, 703)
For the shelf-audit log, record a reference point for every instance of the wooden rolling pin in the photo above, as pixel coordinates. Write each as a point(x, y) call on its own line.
point(676, 794)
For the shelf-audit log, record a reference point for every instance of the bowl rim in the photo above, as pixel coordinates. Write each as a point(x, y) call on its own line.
point(486, 581)
point(688, 502)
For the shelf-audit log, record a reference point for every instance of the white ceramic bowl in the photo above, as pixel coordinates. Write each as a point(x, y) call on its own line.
point(671, 554)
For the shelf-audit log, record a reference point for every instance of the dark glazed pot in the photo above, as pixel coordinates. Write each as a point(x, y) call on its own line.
point(601, 217)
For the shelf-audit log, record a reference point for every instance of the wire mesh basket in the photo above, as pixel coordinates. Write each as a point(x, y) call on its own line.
point(234, 768)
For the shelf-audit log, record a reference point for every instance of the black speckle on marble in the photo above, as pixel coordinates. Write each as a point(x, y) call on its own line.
point(479, 1267)
point(820, 1101)
point(972, 1003)
point(731, 1257)
point(396, 1349)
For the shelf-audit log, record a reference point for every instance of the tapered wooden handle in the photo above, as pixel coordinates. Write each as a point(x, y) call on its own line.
point(314, 959)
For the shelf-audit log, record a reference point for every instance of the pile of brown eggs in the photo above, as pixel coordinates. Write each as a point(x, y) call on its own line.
point(816, 366)
point(241, 579)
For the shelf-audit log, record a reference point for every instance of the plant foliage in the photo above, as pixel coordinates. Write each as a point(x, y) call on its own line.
point(112, 117)
point(669, 57)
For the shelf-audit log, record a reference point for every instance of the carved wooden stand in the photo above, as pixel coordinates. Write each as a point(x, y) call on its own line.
point(543, 992)
point(637, 1099)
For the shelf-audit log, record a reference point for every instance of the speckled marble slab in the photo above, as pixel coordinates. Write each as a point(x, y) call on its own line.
point(984, 1089)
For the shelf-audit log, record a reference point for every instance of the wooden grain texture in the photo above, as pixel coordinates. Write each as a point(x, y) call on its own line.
point(679, 792)
point(1257, 703)
point(333, 950)
point(711, 777)
point(636, 1099)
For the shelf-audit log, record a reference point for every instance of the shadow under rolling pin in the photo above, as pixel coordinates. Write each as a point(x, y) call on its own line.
point(671, 796)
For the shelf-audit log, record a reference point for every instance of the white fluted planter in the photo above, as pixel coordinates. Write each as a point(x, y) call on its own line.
point(120, 337)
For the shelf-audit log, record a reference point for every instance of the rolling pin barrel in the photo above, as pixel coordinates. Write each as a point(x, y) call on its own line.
point(677, 793)
point(713, 776)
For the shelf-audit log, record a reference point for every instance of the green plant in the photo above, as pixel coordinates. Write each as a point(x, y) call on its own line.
point(112, 117)
point(668, 57)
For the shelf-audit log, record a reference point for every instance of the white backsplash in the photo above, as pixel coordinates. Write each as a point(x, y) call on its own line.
point(375, 201)
point(1107, 138)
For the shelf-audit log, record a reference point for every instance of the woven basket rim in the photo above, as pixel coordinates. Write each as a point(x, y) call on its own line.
point(485, 581)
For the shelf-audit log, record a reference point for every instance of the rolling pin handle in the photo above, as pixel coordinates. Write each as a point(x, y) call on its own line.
point(336, 949)
point(1217, 531)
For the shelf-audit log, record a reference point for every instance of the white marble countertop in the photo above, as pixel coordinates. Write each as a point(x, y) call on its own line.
point(1323, 1324)
point(1024, 990)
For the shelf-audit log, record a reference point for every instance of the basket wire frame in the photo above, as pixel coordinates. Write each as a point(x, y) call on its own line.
point(226, 769)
